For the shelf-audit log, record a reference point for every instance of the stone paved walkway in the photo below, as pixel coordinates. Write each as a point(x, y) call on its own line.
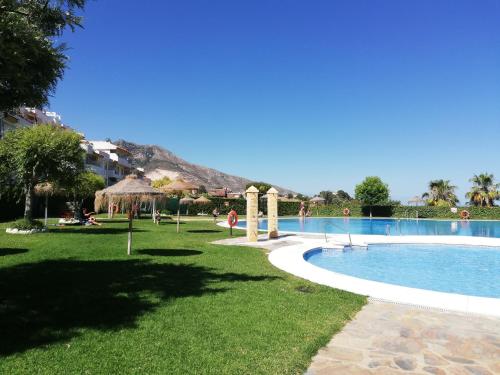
point(387, 338)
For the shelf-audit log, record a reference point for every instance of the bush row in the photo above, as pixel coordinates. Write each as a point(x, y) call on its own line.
point(357, 210)
point(408, 211)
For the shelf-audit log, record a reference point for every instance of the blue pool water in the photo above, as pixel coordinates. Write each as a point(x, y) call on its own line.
point(464, 270)
point(385, 226)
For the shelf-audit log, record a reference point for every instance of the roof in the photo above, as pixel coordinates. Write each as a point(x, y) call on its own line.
point(179, 185)
point(131, 185)
point(202, 200)
point(317, 199)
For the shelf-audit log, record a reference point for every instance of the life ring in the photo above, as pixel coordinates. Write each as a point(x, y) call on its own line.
point(232, 218)
point(346, 211)
point(464, 214)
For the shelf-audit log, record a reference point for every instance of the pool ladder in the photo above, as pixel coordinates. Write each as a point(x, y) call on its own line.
point(343, 229)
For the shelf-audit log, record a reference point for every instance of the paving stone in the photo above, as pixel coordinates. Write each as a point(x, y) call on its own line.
point(388, 339)
point(405, 363)
point(464, 361)
point(434, 370)
point(433, 359)
point(476, 370)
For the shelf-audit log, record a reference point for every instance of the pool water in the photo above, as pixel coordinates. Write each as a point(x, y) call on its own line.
point(473, 271)
point(388, 226)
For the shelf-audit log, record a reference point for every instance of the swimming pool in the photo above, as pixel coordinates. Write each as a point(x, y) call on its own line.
point(477, 228)
point(466, 270)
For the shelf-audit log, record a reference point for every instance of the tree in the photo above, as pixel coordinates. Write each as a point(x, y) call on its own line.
point(372, 191)
point(41, 153)
point(341, 194)
point(302, 197)
point(263, 187)
point(202, 189)
point(83, 187)
point(327, 195)
point(164, 181)
point(484, 191)
point(441, 193)
point(31, 63)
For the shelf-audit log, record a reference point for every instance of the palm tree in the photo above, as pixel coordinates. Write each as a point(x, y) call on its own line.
point(484, 191)
point(441, 193)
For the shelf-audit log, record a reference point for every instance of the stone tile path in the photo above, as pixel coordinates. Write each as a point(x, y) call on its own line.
point(387, 338)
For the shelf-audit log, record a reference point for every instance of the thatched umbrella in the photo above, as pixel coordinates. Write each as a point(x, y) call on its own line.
point(45, 189)
point(316, 201)
point(187, 201)
point(416, 200)
point(129, 191)
point(202, 200)
point(179, 185)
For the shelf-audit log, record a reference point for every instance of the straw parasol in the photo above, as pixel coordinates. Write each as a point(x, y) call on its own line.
point(129, 191)
point(317, 200)
point(179, 186)
point(187, 201)
point(202, 200)
point(416, 200)
point(45, 189)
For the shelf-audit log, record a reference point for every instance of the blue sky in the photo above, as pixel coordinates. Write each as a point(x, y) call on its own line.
point(311, 95)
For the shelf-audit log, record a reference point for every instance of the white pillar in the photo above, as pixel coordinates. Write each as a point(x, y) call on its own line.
point(272, 213)
point(252, 214)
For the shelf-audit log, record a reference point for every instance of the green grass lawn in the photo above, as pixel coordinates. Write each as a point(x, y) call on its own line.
point(72, 302)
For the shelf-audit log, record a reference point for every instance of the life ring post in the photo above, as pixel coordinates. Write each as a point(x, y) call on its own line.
point(232, 220)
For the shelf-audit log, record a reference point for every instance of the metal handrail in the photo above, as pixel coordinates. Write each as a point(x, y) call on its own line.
point(338, 226)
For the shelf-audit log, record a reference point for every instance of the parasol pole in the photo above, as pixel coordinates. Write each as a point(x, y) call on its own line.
point(46, 208)
point(130, 218)
point(154, 210)
point(178, 218)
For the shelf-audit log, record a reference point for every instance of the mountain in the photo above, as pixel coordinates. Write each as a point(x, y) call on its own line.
point(159, 162)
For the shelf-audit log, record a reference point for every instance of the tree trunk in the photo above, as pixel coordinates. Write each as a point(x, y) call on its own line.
point(28, 203)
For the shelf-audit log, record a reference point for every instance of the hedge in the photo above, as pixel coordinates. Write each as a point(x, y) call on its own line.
point(408, 211)
point(224, 205)
point(357, 210)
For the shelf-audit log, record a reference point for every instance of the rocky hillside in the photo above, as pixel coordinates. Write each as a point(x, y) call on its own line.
point(159, 162)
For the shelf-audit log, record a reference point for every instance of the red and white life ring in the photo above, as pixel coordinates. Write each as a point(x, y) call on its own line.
point(232, 218)
point(464, 214)
point(346, 211)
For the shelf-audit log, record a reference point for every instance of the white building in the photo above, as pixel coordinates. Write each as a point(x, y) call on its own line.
point(24, 116)
point(108, 160)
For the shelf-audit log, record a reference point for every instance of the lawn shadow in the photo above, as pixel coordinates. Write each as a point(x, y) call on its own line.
point(204, 231)
point(51, 301)
point(11, 251)
point(169, 252)
point(93, 230)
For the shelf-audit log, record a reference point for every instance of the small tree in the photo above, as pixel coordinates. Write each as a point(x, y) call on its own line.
point(83, 187)
point(372, 191)
point(41, 153)
point(342, 195)
point(164, 181)
point(327, 195)
point(484, 190)
point(202, 189)
point(263, 187)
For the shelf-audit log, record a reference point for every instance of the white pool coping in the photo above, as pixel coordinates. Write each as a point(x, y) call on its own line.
point(291, 259)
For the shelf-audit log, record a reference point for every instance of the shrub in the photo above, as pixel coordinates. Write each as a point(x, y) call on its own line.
point(23, 224)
